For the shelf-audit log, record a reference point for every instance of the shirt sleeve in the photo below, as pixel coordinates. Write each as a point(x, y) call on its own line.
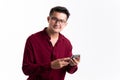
point(29, 66)
point(71, 69)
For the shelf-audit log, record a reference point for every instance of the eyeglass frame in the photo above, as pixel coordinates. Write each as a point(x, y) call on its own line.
point(61, 21)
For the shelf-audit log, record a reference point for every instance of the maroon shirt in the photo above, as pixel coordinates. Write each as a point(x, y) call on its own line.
point(39, 53)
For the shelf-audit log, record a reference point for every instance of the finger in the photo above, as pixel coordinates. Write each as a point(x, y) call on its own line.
point(78, 59)
point(75, 60)
point(65, 59)
point(72, 62)
point(64, 63)
point(68, 58)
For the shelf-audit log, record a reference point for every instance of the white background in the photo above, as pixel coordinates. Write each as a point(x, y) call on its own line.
point(93, 29)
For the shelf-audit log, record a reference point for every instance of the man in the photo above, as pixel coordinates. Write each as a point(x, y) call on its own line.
point(47, 54)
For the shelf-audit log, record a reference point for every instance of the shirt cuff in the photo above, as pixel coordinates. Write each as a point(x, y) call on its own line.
point(72, 69)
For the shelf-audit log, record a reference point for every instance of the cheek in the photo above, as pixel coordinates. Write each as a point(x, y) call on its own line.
point(50, 23)
point(62, 27)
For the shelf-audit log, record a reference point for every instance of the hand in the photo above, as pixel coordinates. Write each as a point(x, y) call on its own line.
point(74, 61)
point(60, 63)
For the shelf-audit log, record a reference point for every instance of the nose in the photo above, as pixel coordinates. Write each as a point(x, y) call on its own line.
point(57, 22)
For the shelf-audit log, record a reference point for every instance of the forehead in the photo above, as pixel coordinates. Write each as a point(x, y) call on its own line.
point(59, 15)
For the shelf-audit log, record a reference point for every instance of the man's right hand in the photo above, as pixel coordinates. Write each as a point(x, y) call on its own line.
point(60, 63)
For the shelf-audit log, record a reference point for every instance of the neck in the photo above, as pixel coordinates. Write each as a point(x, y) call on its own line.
point(52, 34)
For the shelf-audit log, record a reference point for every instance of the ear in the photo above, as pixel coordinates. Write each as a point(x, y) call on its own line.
point(48, 18)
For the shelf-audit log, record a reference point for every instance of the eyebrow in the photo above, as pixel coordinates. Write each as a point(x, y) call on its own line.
point(58, 18)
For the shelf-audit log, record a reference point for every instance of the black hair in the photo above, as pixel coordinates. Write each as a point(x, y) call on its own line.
point(59, 9)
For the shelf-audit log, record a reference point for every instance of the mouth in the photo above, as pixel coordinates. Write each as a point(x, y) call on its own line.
point(56, 27)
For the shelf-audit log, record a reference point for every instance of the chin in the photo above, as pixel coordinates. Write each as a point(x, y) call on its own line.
point(57, 30)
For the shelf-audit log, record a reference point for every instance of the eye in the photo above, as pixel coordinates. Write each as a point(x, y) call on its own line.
point(62, 21)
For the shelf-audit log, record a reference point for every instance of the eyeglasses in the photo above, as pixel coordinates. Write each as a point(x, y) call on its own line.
point(58, 20)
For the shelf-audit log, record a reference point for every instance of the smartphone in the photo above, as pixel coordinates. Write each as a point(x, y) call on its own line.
point(75, 56)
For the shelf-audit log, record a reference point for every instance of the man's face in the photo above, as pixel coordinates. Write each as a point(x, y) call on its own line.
point(57, 21)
